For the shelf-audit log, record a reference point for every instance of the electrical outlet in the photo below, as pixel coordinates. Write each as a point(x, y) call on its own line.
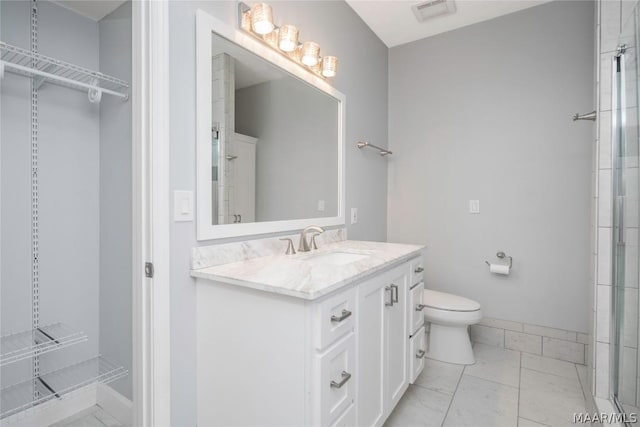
point(320, 205)
point(474, 206)
point(354, 215)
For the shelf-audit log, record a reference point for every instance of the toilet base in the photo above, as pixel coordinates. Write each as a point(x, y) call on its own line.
point(450, 344)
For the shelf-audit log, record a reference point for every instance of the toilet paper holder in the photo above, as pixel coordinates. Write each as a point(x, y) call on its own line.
point(502, 255)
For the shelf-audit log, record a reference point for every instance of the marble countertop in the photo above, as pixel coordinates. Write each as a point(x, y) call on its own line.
point(302, 276)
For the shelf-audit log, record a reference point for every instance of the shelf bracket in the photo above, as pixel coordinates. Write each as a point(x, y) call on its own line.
point(39, 80)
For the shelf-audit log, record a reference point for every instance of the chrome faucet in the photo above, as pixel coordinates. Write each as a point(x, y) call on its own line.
point(304, 243)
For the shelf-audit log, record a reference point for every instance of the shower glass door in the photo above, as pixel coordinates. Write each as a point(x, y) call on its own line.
point(624, 334)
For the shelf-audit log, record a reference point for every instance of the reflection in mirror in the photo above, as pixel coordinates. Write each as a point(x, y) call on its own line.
point(274, 142)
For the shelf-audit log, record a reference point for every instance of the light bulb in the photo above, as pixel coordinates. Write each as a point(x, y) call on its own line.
point(262, 18)
point(329, 66)
point(310, 53)
point(288, 38)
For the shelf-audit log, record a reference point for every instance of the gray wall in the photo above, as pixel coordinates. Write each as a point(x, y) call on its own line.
point(115, 199)
point(362, 77)
point(484, 112)
point(296, 153)
point(69, 203)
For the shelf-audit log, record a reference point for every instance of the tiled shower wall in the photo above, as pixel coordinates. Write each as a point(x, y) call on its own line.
point(610, 18)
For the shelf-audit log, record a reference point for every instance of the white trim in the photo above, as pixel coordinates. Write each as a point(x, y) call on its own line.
point(151, 214)
point(115, 404)
point(72, 404)
point(205, 26)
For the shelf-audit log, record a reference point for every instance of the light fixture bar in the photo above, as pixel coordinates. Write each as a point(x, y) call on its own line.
point(257, 20)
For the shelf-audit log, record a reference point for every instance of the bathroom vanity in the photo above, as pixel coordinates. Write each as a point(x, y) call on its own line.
point(331, 337)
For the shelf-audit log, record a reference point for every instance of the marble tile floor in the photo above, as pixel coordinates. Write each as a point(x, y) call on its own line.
point(504, 388)
point(92, 417)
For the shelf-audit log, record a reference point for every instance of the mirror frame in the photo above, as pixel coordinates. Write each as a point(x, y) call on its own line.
point(206, 25)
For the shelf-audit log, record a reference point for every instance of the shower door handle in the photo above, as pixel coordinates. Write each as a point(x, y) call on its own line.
point(620, 212)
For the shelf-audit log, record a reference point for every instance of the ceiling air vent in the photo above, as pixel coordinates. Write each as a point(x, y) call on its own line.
point(433, 8)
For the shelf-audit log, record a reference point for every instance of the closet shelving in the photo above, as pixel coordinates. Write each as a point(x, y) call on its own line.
point(57, 384)
point(46, 69)
point(26, 344)
point(44, 389)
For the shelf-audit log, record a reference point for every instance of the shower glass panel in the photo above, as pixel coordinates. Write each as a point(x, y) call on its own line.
point(624, 334)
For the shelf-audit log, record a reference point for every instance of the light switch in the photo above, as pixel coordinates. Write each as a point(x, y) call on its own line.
point(354, 215)
point(474, 206)
point(182, 206)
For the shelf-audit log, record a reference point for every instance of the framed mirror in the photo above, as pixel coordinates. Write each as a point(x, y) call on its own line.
point(270, 139)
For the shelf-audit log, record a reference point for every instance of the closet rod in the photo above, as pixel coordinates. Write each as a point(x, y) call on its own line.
point(9, 66)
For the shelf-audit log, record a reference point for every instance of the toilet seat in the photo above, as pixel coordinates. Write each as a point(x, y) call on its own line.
point(448, 302)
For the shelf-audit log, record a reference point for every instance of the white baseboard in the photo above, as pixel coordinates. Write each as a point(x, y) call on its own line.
point(49, 414)
point(115, 404)
point(606, 406)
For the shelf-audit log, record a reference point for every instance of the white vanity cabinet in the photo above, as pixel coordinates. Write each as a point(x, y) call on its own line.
point(382, 350)
point(278, 360)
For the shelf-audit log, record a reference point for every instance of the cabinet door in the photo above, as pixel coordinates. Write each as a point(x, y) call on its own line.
point(397, 337)
point(372, 297)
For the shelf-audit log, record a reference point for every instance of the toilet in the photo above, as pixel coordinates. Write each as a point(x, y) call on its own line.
point(450, 317)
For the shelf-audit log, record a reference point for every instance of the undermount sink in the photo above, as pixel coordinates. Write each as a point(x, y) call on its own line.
point(335, 258)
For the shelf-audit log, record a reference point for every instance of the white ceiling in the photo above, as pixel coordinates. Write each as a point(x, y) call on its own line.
point(394, 22)
point(93, 9)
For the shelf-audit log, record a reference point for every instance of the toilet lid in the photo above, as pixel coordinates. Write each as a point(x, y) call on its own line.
point(444, 301)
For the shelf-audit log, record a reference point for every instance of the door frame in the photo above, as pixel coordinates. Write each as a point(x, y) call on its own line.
point(151, 213)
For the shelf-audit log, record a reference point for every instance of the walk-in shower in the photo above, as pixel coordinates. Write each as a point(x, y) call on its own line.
point(625, 387)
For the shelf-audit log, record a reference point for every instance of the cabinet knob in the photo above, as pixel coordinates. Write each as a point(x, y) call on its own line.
point(345, 377)
point(344, 315)
point(418, 270)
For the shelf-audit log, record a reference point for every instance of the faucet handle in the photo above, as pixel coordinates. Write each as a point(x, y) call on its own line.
point(313, 241)
point(290, 249)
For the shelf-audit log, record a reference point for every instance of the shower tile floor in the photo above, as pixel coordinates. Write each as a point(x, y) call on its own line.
point(504, 388)
point(92, 417)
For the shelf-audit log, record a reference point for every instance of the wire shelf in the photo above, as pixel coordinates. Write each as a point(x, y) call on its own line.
point(26, 344)
point(47, 69)
point(55, 385)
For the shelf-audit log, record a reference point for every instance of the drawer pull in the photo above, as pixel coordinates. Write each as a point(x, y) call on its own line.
point(344, 315)
point(390, 303)
point(394, 299)
point(418, 270)
point(345, 377)
point(420, 307)
point(420, 354)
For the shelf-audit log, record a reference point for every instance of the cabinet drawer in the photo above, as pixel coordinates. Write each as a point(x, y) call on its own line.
point(337, 383)
point(417, 270)
point(334, 318)
point(417, 350)
point(416, 307)
point(348, 419)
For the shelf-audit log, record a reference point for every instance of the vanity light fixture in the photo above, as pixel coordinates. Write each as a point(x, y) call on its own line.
point(257, 20)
